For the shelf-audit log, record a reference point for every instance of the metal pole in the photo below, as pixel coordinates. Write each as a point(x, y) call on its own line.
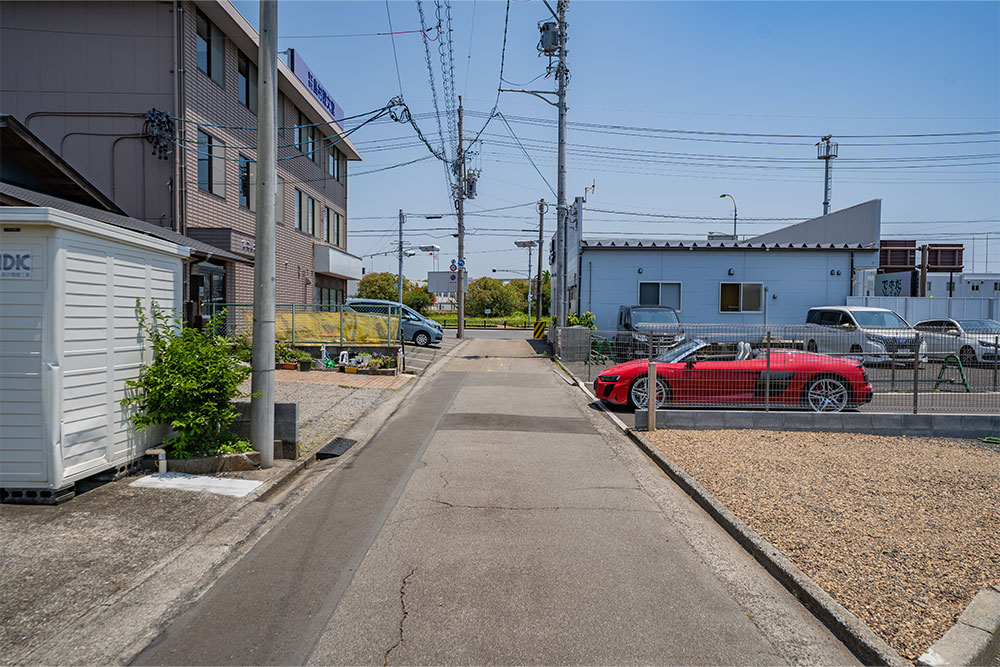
point(826, 186)
point(541, 231)
point(996, 359)
point(561, 188)
point(461, 228)
point(529, 283)
point(399, 278)
point(767, 377)
point(916, 368)
point(651, 381)
point(265, 261)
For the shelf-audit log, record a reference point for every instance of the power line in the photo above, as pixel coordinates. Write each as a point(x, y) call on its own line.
point(511, 130)
point(393, 37)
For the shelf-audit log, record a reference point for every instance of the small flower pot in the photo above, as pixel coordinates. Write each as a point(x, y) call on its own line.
point(287, 365)
point(306, 365)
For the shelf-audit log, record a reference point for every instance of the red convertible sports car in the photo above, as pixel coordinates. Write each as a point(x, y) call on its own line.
point(685, 377)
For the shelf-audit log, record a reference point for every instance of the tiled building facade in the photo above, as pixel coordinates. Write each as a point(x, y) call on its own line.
point(116, 61)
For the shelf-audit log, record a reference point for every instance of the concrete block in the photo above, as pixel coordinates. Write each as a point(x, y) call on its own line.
point(983, 612)
point(917, 425)
point(888, 423)
point(859, 422)
point(737, 419)
point(641, 420)
point(710, 419)
point(286, 425)
point(675, 419)
point(774, 421)
point(959, 646)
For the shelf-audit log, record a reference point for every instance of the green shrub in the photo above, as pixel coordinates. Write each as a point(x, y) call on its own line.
point(489, 293)
point(419, 299)
point(585, 319)
point(379, 286)
point(189, 385)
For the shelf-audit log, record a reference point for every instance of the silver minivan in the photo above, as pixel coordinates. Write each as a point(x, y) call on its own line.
point(417, 328)
point(874, 334)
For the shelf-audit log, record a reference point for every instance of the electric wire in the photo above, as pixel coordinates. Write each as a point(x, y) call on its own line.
point(526, 154)
point(399, 78)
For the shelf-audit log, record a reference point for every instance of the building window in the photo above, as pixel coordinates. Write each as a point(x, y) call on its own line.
point(310, 223)
point(327, 224)
point(974, 287)
point(299, 132)
point(211, 164)
point(332, 162)
point(741, 297)
point(660, 294)
point(340, 235)
point(245, 185)
point(211, 45)
point(317, 226)
point(280, 115)
point(247, 83)
point(341, 167)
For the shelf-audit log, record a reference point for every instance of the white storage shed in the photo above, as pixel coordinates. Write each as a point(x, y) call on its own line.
point(69, 339)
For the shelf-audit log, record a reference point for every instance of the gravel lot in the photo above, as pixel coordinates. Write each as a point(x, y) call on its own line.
point(325, 411)
point(901, 531)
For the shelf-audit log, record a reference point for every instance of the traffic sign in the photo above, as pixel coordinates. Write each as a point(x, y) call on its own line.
point(452, 261)
point(461, 262)
point(453, 277)
point(454, 268)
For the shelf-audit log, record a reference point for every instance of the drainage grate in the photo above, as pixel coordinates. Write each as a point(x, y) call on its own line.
point(335, 448)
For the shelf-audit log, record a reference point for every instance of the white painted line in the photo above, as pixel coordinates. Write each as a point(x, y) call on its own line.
point(223, 486)
point(618, 422)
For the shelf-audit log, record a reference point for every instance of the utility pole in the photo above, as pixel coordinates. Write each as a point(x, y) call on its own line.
point(460, 203)
point(399, 278)
point(265, 261)
point(542, 207)
point(561, 78)
point(826, 151)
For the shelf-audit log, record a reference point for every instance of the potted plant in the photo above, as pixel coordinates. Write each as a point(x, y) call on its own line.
point(285, 357)
point(305, 360)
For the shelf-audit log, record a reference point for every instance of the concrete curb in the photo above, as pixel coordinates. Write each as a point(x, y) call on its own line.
point(938, 425)
point(851, 630)
point(975, 637)
point(856, 635)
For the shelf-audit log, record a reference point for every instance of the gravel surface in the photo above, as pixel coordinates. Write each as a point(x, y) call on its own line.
point(324, 411)
point(901, 531)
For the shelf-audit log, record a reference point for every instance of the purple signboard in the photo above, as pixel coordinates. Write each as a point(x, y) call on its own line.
point(306, 76)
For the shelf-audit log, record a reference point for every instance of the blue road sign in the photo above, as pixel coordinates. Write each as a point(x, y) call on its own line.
point(461, 262)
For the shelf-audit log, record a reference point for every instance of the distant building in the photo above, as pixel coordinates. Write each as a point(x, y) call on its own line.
point(145, 99)
point(774, 277)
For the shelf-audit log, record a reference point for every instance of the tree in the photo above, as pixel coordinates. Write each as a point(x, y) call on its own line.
point(418, 298)
point(378, 286)
point(489, 293)
point(520, 287)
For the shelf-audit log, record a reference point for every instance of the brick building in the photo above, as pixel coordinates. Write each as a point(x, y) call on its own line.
point(85, 78)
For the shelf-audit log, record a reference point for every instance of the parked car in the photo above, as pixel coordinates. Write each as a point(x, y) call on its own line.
point(874, 334)
point(973, 341)
point(686, 375)
point(421, 330)
point(637, 323)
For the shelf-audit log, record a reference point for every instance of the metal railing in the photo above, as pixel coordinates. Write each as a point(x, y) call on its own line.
point(306, 324)
point(809, 367)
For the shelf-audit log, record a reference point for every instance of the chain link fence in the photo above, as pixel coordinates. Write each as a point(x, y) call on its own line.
point(807, 366)
point(306, 324)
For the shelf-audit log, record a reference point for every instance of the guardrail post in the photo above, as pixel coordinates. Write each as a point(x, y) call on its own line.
point(767, 377)
point(916, 369)
point(651, 382)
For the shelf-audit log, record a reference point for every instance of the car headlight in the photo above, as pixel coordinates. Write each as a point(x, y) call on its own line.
point(608, 378)
point(640, 337)
point(987, 343)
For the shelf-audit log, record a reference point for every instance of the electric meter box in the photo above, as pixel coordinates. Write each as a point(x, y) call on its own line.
point(69, 340)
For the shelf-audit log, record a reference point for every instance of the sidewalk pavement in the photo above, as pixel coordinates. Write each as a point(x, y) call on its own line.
point(121, 559)
point(495, 520)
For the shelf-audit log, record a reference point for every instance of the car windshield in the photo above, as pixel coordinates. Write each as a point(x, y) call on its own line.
point(879, 319)
point(654, 316)
point(980, 325)
point(678, 353)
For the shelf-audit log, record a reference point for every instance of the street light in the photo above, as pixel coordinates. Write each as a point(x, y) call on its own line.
point(734, 214)
point(529, 244)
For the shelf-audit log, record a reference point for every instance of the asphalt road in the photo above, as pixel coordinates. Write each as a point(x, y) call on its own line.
point(496, 519)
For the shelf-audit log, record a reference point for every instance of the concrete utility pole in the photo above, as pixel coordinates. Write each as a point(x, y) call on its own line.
point(561, 77)
point(399, 278)
point(265, 261)
point(460, 204)
point(542, 207)
point(826, 151)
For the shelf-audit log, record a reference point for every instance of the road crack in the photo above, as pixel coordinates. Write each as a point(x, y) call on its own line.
point(402, 618)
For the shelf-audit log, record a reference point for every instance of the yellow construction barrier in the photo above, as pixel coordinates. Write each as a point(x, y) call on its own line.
point(540, 328)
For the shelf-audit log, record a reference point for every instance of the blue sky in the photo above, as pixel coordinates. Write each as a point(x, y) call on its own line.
point(850, 69)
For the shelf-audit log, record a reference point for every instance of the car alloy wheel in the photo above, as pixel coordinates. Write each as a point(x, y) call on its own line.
point(639, 393)
point(827, 394)
point(967, 356)
point(422, 339)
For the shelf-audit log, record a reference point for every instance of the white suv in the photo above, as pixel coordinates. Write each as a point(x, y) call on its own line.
point(874, 334)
